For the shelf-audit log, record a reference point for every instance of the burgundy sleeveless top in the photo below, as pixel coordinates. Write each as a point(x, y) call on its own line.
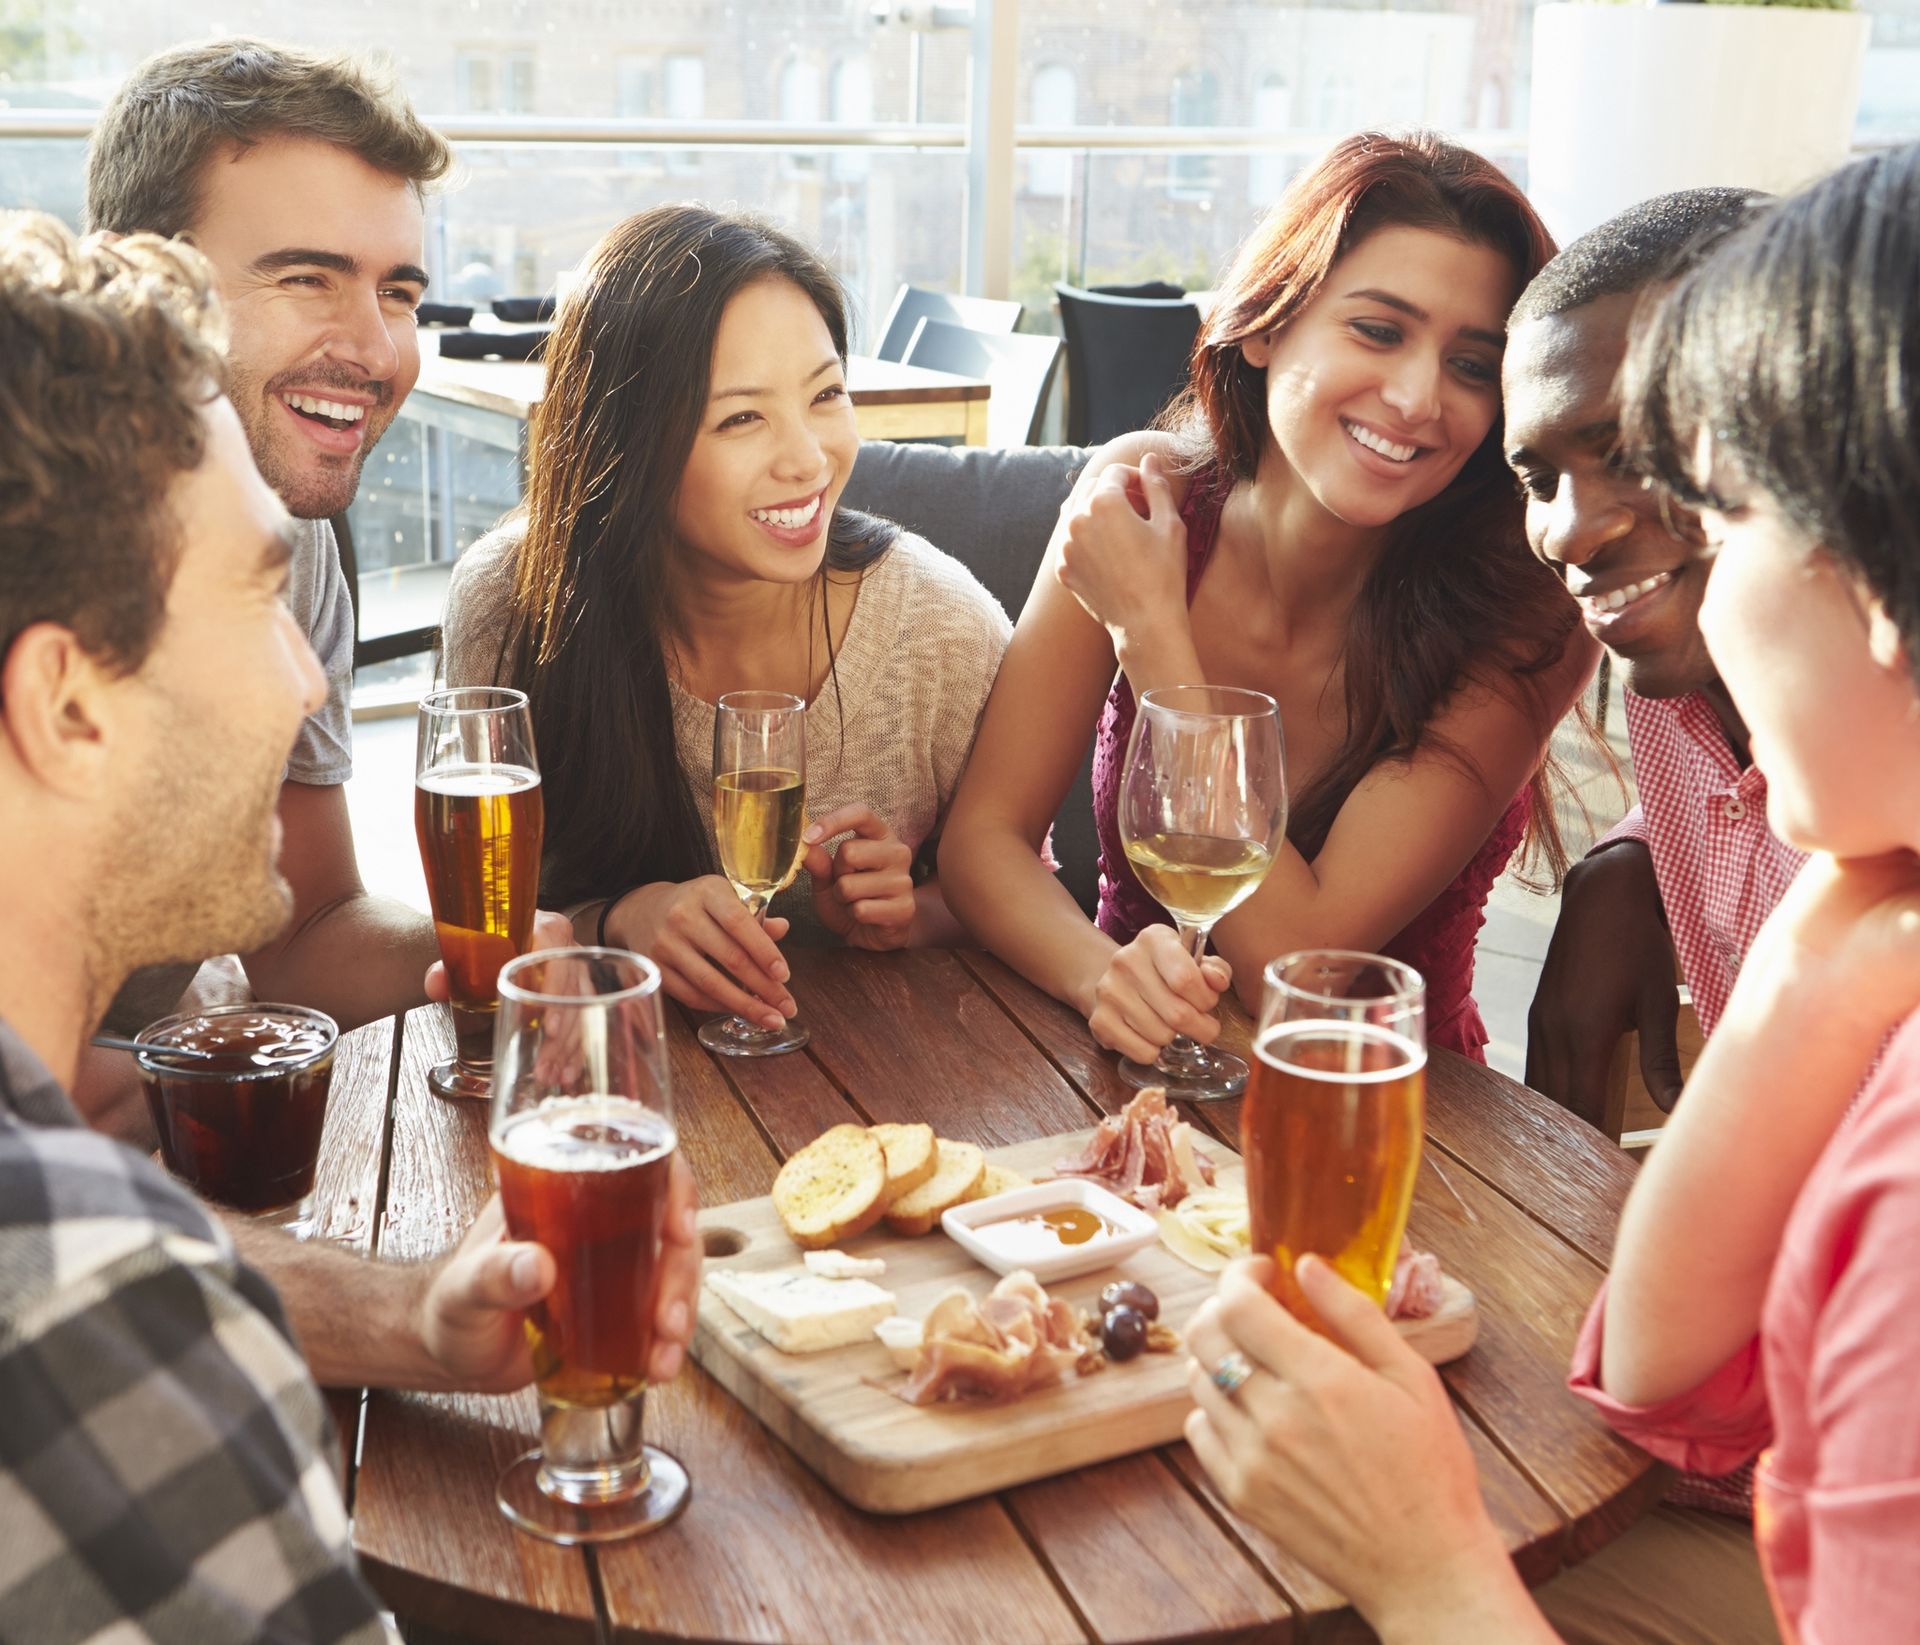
point(1438, 944)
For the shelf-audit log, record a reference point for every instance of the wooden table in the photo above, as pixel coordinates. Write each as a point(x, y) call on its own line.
point(492, 399)
point(1137, 1549)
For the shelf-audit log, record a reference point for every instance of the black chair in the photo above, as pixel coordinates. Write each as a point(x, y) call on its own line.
point(992, 510)
point(1019, 367)
point(1126, 358)
point(912, 304)
point(1163, 291)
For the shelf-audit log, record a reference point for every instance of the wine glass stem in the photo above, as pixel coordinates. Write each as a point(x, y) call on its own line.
point(1182, 1054)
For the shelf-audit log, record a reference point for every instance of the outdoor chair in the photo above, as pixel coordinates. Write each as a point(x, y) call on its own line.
point(1126, 358)
point(994, 511)
point(912, 304)
point(1020, 368)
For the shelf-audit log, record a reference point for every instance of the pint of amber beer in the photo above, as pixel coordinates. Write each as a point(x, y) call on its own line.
point(583, 1141)
point(478, 815)
point(1332, 1122)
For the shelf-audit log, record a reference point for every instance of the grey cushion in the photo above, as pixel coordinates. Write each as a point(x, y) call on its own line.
point(993, 509)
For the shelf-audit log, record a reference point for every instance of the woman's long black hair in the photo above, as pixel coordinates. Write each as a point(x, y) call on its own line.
point(628, 368)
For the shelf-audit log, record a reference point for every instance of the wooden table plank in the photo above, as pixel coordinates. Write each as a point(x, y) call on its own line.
point(425, 1524)
point(914, 1036)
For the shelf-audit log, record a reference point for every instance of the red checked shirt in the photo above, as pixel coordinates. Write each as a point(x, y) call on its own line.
point(1703, 817)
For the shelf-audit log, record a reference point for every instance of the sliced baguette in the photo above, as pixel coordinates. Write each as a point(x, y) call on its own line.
point(999, 1180)
point(912, 1157)
point(962, 1168)
point(832, 1189)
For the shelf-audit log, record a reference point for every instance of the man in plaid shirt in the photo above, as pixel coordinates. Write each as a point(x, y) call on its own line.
point(1694, 868)
point(165, 1457)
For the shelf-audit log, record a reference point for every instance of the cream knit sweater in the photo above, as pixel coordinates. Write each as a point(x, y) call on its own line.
point(921, 650)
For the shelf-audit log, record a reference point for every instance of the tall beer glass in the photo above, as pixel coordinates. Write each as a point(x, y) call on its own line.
point(1332, 1124)
point(759, 813)
point(583, 1138)
point(1203, 809)
point(477, 811)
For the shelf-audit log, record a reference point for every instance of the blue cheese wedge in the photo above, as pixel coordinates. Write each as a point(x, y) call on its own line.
point(801, 1312)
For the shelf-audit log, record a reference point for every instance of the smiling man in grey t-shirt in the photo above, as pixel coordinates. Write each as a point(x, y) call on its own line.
point(301, 179)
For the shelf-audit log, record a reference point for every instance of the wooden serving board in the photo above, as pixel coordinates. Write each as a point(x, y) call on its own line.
point(837, 1409)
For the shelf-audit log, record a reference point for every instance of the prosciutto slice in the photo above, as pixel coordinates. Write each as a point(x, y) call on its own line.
point(1144, 1153)
point(1416, 1291)
point(1015, 1339)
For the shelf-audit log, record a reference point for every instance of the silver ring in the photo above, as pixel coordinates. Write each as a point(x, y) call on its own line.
point(1231, 1372)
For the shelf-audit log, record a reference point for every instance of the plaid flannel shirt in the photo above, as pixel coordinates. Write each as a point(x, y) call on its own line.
point(165, 1457)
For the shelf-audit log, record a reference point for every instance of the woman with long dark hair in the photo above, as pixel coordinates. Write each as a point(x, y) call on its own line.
point(682, 539)
point(1762, 1298)
point(1327, 519)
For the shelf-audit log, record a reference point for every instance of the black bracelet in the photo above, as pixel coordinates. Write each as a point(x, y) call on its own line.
point(600, 930)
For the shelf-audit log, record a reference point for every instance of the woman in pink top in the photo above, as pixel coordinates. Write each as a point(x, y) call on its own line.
point(1763, 1294)
point(1328, 522)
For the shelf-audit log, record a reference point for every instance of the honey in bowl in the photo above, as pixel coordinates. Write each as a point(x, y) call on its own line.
point(1043, 1233)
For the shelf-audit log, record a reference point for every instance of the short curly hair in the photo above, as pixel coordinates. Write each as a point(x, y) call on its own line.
point(109, 356)
point(177, 110)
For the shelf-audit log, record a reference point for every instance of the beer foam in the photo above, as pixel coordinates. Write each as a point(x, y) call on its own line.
point(478, 781)
point(1410, 1057)
point(597, 1133)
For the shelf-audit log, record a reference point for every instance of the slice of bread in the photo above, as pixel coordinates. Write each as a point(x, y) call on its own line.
point(999, 1179)
point(912, 1157)
point(962, 1168)
point(833, 1188)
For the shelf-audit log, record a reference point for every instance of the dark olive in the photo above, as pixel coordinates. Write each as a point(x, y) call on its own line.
point(1124, 1332)
point(1130, 1293)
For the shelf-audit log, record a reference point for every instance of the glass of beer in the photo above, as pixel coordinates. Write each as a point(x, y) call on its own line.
point(582, 1135)
point(1203, 809)
point(759, 811)
point(478, 814)
point(241, 1126)
point(1332, 1124)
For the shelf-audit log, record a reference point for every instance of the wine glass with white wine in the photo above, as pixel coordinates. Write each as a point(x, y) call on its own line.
point(759, 812)
point(1203, 809)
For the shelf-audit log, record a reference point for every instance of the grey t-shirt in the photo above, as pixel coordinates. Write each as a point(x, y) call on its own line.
point(318, 597)
point(322, 753)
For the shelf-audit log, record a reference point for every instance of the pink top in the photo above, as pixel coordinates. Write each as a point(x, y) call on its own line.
point(1828, 1385)
point(1438, 944)
point(1720, 867)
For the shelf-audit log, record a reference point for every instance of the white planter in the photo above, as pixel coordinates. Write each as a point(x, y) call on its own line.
point(1632, 101)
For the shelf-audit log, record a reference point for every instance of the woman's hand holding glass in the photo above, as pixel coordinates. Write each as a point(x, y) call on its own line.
point(1153, 991)
point(863, 888)
point(712, 953)
point(1345, 1451)
point(1123, 552)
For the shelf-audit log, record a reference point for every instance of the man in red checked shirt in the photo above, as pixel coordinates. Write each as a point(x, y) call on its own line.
point(1693, 868)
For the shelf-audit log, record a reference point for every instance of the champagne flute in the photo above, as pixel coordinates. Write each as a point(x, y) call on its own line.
point(1203, 808)
point(478, 813)
point(1332, 1125)
point(759, 813)
point(583, 1136)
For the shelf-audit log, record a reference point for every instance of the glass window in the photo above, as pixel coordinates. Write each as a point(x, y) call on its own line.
point(1052, 100)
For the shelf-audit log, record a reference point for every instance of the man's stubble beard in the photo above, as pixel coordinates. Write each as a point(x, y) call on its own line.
point(306, 497)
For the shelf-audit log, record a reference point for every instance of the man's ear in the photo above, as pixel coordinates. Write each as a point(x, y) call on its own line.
point(1257, 351)
point(55, 709)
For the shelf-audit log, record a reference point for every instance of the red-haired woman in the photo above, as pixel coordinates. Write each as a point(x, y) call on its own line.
point(1328, 520)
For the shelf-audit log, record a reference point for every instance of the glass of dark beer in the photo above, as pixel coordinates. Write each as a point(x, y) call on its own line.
point(1331, 1129)
point(583, 1139)
point(1202, 813)
point(478, 814)
point(242, 1126)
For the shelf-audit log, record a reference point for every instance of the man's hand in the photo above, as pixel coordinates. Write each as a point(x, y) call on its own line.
point(1608, 971)
point(1345, 1451)
point(863, 889)
point(472, 1314)
point(550, 930)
